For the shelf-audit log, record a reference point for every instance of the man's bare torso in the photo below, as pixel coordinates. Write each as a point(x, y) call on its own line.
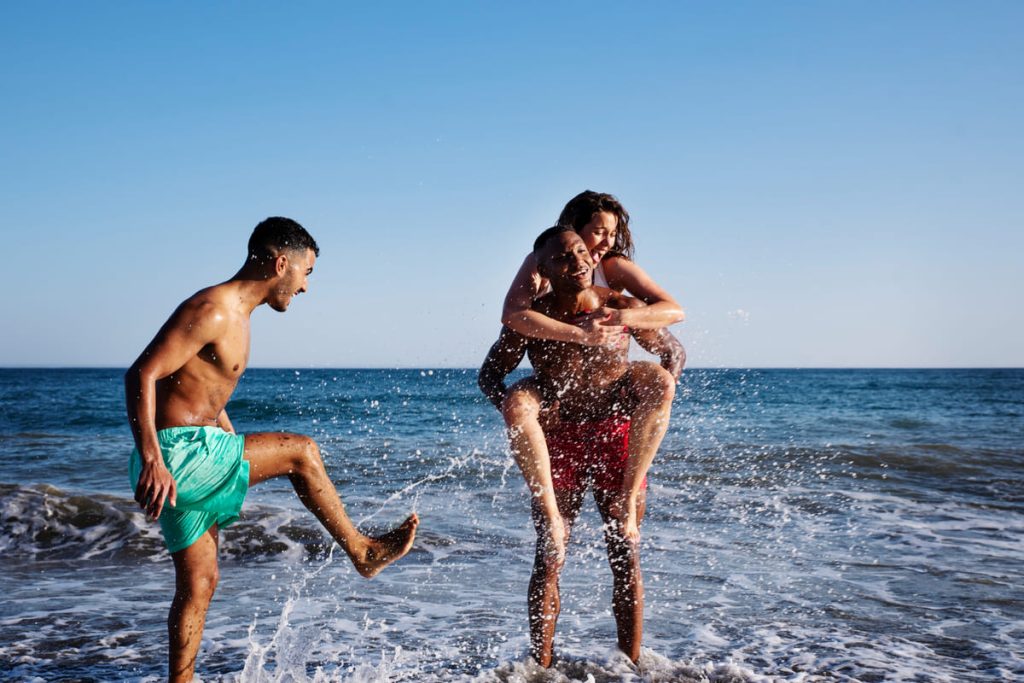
point(195, 394)
point(587, 381)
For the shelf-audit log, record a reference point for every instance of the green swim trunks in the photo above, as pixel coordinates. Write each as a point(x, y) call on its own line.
point(211, 475)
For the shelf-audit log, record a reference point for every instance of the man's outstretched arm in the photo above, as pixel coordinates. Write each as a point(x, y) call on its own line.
point(505, 356)
point(188, 330)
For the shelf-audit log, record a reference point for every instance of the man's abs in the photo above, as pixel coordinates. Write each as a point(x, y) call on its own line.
point(184, 401)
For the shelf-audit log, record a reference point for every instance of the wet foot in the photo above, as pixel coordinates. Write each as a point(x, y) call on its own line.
point(383, 550)
point(544, 660)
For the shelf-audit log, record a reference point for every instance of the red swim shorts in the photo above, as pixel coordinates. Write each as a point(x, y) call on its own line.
point(589, 453)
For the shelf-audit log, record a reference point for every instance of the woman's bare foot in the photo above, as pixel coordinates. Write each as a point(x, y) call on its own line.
point(555, 540)
point(380, 551)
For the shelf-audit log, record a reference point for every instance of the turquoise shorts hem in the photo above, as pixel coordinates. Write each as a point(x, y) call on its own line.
point(212, 479)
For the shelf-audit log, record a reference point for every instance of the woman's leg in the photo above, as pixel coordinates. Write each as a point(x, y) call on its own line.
point(652, 389)
point(522, 410)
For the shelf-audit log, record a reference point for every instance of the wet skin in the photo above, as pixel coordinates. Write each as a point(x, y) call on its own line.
point(184, 378)
point(587, 383)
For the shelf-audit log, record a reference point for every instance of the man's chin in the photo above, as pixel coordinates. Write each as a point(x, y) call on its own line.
point(279, 306)
point(570, 285)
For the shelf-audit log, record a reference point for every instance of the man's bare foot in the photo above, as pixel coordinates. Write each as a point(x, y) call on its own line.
point(382, 550)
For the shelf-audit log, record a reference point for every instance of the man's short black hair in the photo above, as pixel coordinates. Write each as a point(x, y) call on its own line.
point(276, 234)
point(544, 237)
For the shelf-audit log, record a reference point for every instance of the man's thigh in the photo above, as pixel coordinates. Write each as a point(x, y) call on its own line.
point(275, 454)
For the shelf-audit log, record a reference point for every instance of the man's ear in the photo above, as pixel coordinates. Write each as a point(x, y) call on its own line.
point(542, 268)
point(280, 264)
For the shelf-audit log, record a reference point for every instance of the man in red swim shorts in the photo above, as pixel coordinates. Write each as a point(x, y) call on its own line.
point(590, 394)
point(591, 454)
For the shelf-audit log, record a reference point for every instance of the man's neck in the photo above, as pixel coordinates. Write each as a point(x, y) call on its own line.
point(252, 287)
point(571, 302)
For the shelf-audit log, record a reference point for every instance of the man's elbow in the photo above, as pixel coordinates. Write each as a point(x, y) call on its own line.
point(679, 358)
point(140, 373)
point(131, 376)
point(511, 317)
point(675, 360)
point(486, 381)
point(492, 390)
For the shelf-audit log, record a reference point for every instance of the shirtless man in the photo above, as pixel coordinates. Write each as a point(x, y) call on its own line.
point(187, 453)
point(591, 398)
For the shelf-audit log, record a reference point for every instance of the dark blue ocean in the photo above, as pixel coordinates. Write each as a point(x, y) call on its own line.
point(802, 525)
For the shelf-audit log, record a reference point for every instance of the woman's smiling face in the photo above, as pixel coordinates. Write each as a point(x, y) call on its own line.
point(599, 234)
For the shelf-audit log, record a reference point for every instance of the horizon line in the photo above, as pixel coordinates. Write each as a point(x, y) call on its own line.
point(460, 367)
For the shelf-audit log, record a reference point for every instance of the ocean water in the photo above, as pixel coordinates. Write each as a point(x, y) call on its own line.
point(840, 525)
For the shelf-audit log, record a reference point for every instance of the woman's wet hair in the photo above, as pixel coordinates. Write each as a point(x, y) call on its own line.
point(277, 234)
point(581, 209)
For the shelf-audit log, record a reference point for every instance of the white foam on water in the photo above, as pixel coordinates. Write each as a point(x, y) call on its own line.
point(762, 563)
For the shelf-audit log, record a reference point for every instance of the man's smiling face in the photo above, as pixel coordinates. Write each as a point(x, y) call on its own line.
point(294, 280)
point(565, 261)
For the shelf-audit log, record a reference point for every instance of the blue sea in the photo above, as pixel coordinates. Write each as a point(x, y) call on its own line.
point(802, 525)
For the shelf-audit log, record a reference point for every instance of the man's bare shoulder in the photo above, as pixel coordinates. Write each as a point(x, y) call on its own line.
point(613, 299)
point(209, 306)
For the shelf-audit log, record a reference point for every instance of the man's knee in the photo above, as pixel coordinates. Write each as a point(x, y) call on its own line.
point(307, 459)
point(200, 583)
point(547, 562)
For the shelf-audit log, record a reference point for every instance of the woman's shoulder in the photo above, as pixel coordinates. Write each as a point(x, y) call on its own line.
point(616, 268)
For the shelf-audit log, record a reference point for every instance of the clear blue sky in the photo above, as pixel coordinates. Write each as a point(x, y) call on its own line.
point(819, 183)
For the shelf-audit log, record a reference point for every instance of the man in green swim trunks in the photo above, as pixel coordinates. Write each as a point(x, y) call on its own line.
point(187, 453)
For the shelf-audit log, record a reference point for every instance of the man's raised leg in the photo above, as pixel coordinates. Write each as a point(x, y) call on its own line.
point(298, 457)
point(627, 581)
point(195, 579)
point(543, 600)
point(652, 389)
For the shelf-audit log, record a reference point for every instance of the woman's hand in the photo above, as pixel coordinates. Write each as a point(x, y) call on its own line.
point(602, 327)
